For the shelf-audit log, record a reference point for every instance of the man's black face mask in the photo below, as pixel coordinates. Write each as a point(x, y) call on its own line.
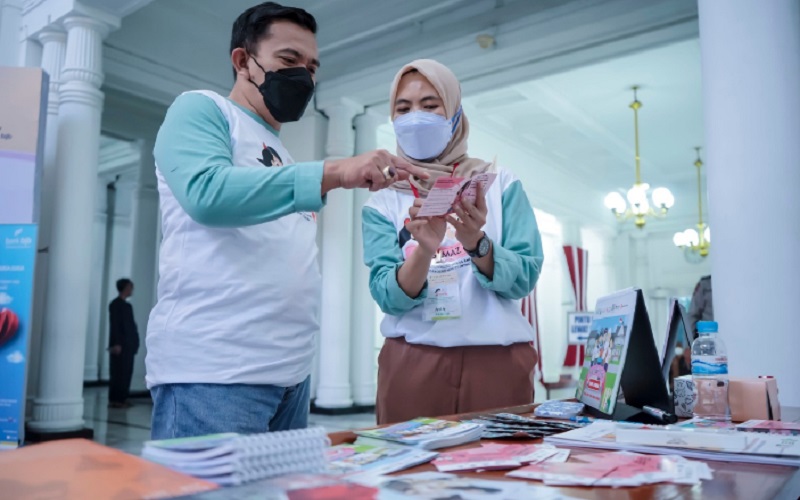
point(286, 92)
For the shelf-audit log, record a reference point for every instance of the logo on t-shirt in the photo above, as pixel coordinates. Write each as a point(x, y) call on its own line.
point(270, 157)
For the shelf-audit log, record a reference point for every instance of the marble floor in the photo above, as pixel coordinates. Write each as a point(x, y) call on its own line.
point(127, 429)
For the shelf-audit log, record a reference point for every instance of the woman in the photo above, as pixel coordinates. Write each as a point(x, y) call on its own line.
point(450, 286)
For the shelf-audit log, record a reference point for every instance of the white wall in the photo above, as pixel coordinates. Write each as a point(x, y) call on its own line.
point(650, 261)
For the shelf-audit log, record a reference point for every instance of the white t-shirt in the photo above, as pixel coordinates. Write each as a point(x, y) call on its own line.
point(487, 318)
point(235, 305)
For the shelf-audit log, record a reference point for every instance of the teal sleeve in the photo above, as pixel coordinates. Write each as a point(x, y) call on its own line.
point(518, 257)
point(383, 256)
point(193, 153)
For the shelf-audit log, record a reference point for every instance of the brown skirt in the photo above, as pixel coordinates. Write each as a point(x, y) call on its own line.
point(424, 381)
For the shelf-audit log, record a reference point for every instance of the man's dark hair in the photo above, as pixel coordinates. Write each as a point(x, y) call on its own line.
point(253, 25)
point(122, 284)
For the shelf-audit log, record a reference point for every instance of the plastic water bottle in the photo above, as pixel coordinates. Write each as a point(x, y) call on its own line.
point(710, 373)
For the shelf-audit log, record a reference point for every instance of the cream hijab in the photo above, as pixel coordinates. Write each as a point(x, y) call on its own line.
point(446, 84)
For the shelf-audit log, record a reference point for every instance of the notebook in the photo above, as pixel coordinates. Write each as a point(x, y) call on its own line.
point(232, 459)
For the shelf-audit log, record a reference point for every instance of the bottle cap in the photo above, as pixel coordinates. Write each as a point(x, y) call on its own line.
point(707, 327)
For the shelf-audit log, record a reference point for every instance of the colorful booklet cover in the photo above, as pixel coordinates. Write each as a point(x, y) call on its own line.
point(606, 350)
point(426, 433)
point(353, 459)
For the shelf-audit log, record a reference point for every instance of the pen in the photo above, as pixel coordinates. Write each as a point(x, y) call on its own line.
point(662, 415)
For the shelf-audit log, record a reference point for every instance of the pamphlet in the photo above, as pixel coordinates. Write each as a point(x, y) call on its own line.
point(447, 191)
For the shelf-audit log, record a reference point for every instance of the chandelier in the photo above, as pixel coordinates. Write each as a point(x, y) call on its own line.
point(696, 241)
point(639, 197)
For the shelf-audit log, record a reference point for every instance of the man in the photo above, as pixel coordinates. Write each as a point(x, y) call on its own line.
point(123, 345)
point(230, 341)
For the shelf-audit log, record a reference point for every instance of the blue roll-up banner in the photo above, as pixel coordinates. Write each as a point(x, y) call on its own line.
point(23, 113)
point(17, 260)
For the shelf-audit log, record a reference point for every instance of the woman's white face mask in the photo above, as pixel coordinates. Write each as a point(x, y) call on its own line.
point(423, 135)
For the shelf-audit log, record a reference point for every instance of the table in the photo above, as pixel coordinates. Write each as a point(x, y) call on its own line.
point(731, 480)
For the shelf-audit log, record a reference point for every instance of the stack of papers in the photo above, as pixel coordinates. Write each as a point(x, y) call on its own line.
point(770, 427)
point(616, 469)
point(706, 444)
point(437, 485)
point(423, 433)
point(510, 426)
point(494, 456)
point(353, 459)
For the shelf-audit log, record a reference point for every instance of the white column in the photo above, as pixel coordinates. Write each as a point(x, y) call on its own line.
point(751, 106)
point(92, 360)
point(59, 405)
point(362, 367)
point(54, 46)
point(144, 247)
point(10, 22)
point(337, 264)
point(570, 236)
point(641, 262)
point(571, 232)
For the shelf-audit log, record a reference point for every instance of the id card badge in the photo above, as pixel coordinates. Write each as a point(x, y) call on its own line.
point(444, 293)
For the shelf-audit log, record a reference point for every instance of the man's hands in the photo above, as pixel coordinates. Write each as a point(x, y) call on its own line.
point(374, 170)
point(115, 350)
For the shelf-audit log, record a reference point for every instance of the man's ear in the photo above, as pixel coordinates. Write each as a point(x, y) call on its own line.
point(239, 60)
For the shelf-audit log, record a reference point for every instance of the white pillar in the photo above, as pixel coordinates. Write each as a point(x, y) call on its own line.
point(144, 247)
point(10, 22)
point(751, 105)
point(337, 264)
point(363, 372)
point(571, 232)
point(54, 46)
point(92, 362)
point(641, 261)
point(59, 405)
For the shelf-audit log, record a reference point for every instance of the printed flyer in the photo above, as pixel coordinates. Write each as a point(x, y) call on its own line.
point(606, 348)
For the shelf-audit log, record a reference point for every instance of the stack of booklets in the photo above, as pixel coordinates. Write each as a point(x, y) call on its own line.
point(423, 433)
point(692, 439)
point(616, 469)
point(232, 459)
point(352, 460)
